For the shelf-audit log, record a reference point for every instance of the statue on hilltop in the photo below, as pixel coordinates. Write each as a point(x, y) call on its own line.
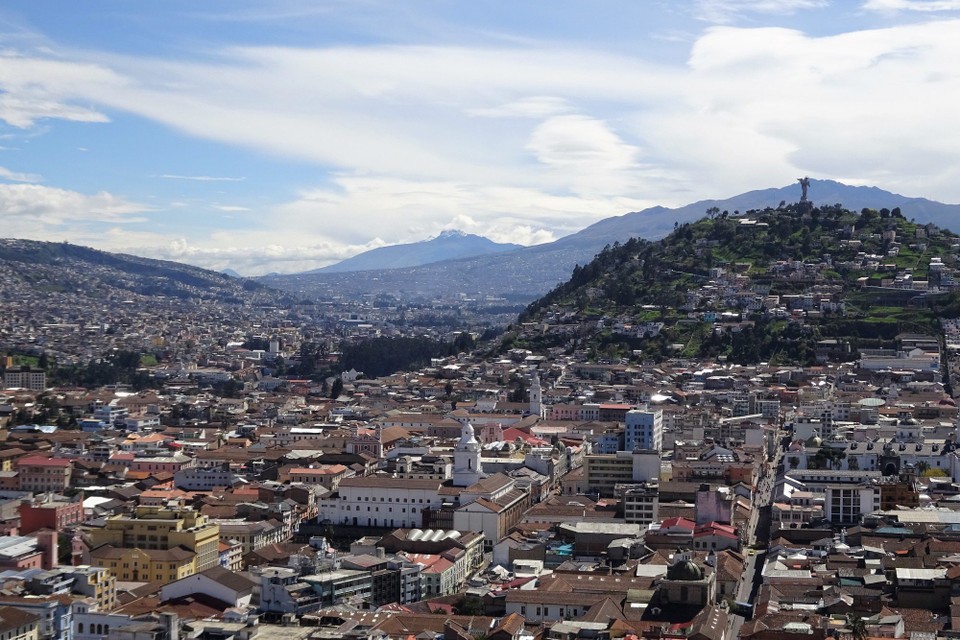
point(804, 184)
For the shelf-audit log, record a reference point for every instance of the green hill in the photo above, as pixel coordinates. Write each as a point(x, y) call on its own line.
point(772, 285)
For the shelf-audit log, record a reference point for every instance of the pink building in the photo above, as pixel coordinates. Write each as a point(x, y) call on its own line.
point(165, 464)
point(39, 474)
point(26, 552)
point(328, 475)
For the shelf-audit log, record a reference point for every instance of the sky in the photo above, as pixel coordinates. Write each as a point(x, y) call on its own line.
point(286, 135)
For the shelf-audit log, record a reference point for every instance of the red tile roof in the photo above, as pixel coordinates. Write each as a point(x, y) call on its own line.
point(683, 523)
point(40, 461)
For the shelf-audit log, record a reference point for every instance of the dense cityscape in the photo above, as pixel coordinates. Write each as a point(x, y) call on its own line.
point(404, 320)
point(231, 478)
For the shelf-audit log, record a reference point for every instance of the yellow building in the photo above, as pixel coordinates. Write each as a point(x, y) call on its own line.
point(17, 624)
point(155, 544)
point(145, 565)
point(99, 583)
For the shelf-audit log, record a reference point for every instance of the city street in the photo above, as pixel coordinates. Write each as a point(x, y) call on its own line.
point(757, 534)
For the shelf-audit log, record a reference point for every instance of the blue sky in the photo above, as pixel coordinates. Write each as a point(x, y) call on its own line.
point(290, 134)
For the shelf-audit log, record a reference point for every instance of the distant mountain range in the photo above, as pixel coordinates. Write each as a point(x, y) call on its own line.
point(529, 272)
point(449, 245)
point(520, 274)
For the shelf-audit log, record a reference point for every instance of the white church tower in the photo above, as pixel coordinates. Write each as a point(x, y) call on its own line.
point(536, 397)
point(466, 459)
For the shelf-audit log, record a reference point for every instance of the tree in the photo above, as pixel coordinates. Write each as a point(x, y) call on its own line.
point(858, 628)
point(518, 392)
point(469, 606)
point(464, 342)
point(336, 388)
point(231, 388)
point(829, 458)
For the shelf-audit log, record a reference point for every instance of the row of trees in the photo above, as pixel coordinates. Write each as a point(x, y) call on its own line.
point(375, 357)
point(386, 355)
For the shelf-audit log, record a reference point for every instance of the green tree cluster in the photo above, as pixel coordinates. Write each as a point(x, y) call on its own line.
point(117, 367)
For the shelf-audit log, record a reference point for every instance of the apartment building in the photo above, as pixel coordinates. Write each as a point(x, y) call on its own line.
point(161, 543)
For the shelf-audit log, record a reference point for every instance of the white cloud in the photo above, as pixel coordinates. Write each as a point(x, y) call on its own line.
point(409, 111)
point(52, 206)
point(586, 153)
point(519, 234)
point(532, 107)
point(461, 222)
point(874, 100)
point(724, 11)
point(505, 230)
point(23, 111)
point(406, 210)
point(242, 252)
point(38, 88)
point(912, 5)
point(16, 176)
point(227, 208)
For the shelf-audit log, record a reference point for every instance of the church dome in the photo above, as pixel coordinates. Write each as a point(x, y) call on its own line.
point(814, 441)
point(685, 570)
point(467, 436)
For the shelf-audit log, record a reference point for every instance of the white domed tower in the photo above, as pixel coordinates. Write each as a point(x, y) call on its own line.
point(536, 397)
point(466, 459)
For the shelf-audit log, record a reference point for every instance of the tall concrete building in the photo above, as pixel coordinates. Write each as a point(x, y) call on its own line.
point(644, 430)
point(25, 378)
